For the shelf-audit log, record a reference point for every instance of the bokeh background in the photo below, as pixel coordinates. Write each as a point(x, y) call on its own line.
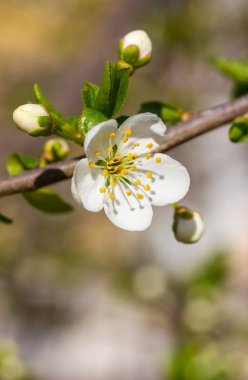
point(79, 298)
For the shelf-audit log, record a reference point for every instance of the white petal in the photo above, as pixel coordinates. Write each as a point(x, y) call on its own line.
point(140, 39)
point(129, 213)
point(146, 128)
point(86, 183)
point(97, 139)
point(170, 181)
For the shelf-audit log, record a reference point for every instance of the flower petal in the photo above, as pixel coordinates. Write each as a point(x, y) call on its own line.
point(97, 139)
point(85, 186)
point(146, 128)
point(170, 180)
point(129, 213)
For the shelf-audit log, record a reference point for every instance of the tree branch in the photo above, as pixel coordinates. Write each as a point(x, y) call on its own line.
point(202, 122)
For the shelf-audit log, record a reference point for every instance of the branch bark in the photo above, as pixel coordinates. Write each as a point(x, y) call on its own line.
point(201, 123)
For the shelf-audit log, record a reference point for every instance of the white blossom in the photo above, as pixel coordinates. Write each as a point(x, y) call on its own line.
point(136, 47)
point(27, 116)
point(123, 174)
point(188, 225)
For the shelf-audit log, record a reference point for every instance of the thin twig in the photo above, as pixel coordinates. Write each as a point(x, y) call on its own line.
point(202, 122)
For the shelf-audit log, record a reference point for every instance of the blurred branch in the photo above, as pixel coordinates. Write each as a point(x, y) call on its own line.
point(202, 122)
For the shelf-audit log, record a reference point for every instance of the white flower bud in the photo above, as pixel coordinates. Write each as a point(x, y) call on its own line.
point(55, 150)
point(188, 226)
point(33, 119)
point(135, 48)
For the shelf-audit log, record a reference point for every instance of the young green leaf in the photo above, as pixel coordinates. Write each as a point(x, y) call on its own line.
point(167, 112)
point(234, 69)
point(89, 119)
point(41, 99)
point(102, 100)
point(47, 200)
point(18, 162)
point(239, 130)
point(5, 219)
point(119, 87)
point(89, 94)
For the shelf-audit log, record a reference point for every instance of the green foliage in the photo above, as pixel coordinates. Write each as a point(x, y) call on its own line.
point(89, 94)
point(167, 112)
point(47, 200)
point(89, 119)
point(239, 130)
point(44, 199)
point(5, 219)
point(234, 69)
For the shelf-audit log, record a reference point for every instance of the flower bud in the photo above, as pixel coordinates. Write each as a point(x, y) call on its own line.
point(55, 149)
point(33, 119)
point(135, 48)
point(188, 225)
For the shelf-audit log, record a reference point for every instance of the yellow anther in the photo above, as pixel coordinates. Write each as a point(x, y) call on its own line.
point(111, 196)
point(125, 139)
point(149, 146)
point(111, 135)
point(149, 175)
point(136, 144)
point(91, 164)
point(132, 168)
point(147, 187)
point(105, 172)
point(113, 183)
point(158, 160)
point(123, 172)
point(148, 155)
point(111, 162)
point(128, 132)
point(129, 193)
point(130, 156)
point(110, 149)
point(137, 182)
point(97, 153)
point(135, 155)
point(139, 195)
point(102, 189)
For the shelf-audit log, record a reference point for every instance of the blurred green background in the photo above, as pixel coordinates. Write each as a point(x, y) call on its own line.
point(80, 299)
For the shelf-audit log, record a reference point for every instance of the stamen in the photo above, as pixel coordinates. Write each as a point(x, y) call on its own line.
point(147, 187)
point(137, 182)
point(158, 160)
point(123, 172)
point(148, 155)
point(139, 195)
point(132, 168)
point(111, 135)
point(110, 149)
point(130, 156)
point(128, 132)
point(129, 193)
point(125, 139)
point(102, 189)
point(135, 155)
point(136, 144)
point(149, 175)
point(105, 172)
point(111, 196)
point(113, 183)
point(91, 164)
point(97, 153)
point(149, 146)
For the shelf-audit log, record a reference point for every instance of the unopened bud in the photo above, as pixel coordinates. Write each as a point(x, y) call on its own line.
point(33, 119)
point(55, 149)
point(188, 225)
point(135, 48)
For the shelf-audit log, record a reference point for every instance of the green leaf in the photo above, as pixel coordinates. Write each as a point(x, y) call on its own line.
point(234, 69)
point(89, 119)
point(89, 94)
point(47, 200)
point(18, 163)
point(102, 100)
point(41, 99)
point(167, 112)
point(239, 130)
point(5, 219)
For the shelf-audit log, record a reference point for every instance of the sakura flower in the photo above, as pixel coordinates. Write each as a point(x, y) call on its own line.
point(123, 174)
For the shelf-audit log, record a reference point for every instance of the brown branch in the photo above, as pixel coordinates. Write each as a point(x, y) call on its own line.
point(201, 123)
